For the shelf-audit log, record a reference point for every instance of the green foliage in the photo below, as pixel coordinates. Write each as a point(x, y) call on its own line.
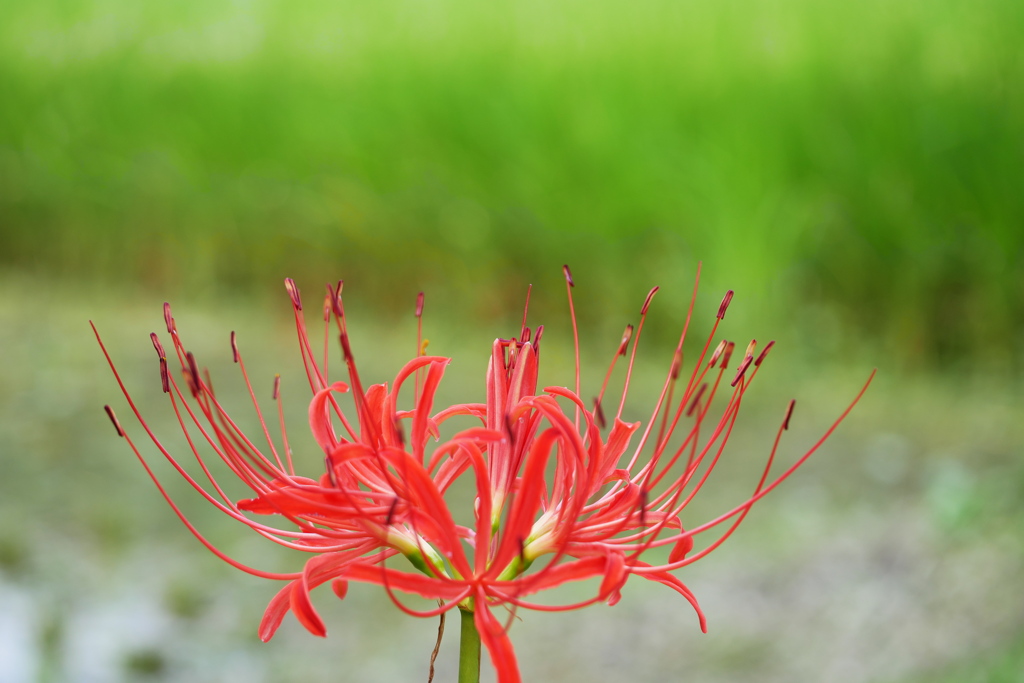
point(861, 159)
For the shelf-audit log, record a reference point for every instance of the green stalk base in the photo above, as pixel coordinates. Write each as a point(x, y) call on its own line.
point(469, 650)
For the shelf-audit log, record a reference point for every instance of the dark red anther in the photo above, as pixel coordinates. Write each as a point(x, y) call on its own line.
point(764, 353)
point(192, 375)
point(113, 419)
point(328, 305)
point(751, 347)
point(599, 414)
point(789, 413)
point(508, 427)
point(419, 304)
point(277, 388)
point(293, 292)
point(346, 350)
point(391, 511)
point(626, 336)
point(167, 318)
point(677, 362)
point(717, 353)
point(336, 299)
point(741, 369)
point(696, 399)
point(727, 354)
point(157, 345)
point(329, 466)
point(234, 347)
point(726, 300)
point(568, 275)
point(536, 339)
point(398, 431)
point(165, 379)
point(647, 301)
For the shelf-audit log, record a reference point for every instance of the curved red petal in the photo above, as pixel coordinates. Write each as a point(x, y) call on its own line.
point(499, 646)
point(303, 609)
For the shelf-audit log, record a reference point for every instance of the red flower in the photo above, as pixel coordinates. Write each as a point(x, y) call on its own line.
point(382, 494)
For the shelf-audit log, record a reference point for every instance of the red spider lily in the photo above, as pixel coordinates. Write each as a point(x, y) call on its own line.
point(554, 482)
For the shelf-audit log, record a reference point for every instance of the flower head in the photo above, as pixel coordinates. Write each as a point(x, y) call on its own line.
point(562, 492)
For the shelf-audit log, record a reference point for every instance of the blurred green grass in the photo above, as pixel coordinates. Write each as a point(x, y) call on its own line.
point(843, 164)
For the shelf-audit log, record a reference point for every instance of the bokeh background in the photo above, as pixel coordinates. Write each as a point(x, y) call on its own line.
point(855, 171)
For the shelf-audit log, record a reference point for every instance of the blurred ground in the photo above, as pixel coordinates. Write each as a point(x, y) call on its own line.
point(892, 556)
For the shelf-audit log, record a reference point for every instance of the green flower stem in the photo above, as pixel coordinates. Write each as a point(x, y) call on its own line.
point(469, 650)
